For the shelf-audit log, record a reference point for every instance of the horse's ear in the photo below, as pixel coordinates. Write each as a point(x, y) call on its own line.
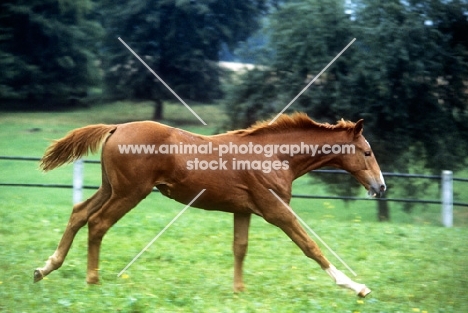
point(358, 127)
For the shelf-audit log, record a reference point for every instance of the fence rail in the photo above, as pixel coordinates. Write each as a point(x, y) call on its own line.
point(446, 178)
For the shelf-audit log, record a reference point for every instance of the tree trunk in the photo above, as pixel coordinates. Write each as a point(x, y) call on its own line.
point(383, 211)
point(158, 110)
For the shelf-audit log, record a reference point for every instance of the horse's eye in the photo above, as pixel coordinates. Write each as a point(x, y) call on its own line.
point(367, 153)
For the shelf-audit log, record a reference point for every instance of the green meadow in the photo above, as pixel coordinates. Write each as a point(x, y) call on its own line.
point(412, 263)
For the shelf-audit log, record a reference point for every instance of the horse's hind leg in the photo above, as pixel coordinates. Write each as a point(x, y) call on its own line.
point(99, 223)
point(78, 219)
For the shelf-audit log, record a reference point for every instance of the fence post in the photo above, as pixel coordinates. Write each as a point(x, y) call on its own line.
point(447, 198)
point(77, 181)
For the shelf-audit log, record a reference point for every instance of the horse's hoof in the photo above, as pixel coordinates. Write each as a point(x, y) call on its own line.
point(364, 292)
point(238, 289)
point(38, 275)
point(92, 280)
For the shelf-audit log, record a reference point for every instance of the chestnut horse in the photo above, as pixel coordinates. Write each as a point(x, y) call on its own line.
point(238, 169)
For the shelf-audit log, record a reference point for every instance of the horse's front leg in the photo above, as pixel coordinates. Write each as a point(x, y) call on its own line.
point(289, 224)
point(241, 238)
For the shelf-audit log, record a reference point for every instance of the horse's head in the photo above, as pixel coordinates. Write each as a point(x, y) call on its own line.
point(363, 165)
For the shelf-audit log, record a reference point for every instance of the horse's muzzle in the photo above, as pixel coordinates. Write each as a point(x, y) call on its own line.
point(375, 191)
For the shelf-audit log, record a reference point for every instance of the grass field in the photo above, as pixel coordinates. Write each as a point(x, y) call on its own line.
point(411, 263)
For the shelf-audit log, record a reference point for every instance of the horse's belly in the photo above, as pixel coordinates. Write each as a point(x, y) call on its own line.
point(209, 200)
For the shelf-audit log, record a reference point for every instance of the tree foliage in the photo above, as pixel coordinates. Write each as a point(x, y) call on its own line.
point(406, 75)
point(56, 49)
point(413, 82)
point(303, 37)
point(47, 51)
point(180, 40)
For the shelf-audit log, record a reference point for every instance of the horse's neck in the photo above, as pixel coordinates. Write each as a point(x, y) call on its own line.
point(314, 158)
point(302, 164)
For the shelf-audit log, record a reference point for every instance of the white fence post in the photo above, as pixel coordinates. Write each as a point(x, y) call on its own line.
point(77, 181)
point(447, 198)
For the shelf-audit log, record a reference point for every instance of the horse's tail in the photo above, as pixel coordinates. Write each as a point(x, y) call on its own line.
point(74, 145)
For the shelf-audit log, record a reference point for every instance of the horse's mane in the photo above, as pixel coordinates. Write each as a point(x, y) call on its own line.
point(294, 121)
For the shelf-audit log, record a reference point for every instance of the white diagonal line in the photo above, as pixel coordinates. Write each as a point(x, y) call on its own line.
point(162, 81)
point(161, 232)
point(313, 80)
point(311, 231)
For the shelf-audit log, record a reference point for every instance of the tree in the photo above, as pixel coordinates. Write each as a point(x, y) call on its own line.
point(303, 36)
point(406, 74)
point(48, 52)
point(418, 94)
point(180, 41)
point(414, 81)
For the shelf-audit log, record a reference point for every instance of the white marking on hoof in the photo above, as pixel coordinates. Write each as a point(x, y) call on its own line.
point(344, 281)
